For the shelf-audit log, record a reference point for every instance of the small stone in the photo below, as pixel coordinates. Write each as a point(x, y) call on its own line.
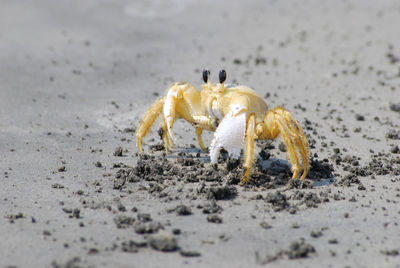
point(98, 164)
point(299, 249)
point(214, 218)
point(332, 241)
point(393, 252)
point(57, 186)
point(353, 199)
point(316, 234)
point(265, 225)
point(395, 107)
point(393, 134)
point(46, 232)
point(67, 210)
point(361, 187)
point(295, 225)
point(148, 228)
point(62, 169)
point(80, 192)
point(282, 147)
point(237, 61)
point(163, 241)
point(144, 217)
point(190, 253)
point(211, 208)
point(222, 193)
point(118, 151)
point(278, 201)
point(132, 246)
point(76, 213)
point(183, 210)
point(14, 217)
point(93, 251)
point(360, 117)
point(176, 231)
point(130, 130)
point(395, 149)
point(123, 222)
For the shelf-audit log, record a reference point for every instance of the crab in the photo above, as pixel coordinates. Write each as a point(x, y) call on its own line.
point(237, 115)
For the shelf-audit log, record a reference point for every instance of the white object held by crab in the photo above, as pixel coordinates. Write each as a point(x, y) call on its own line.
point(237, 115)
point(229, 135)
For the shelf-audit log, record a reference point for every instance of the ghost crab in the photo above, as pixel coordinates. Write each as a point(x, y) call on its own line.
point(237, 115)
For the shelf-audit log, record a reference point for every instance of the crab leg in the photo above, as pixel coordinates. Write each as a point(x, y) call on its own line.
point(182, 100)
point(302, 146)
point(169, 113)
point(298, 139)
point(199, 131)
point(168, 144)
point(249, 146)
point(279, 121)
point(149, 117)
point(180, 106)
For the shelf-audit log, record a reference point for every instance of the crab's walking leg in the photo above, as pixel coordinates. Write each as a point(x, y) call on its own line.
point(199, 131)
point(168, 144)
point(279, 121)
point(302, 146)
point(181, 103)
point(149, 117)
point(298, 140)
point(169, 113)
point(249, 146)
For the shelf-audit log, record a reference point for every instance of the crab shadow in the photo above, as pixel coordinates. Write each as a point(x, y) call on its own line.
point(319, 174)
point(272, 172)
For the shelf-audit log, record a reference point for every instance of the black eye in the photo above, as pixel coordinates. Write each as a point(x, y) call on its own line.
point(222, 76)
point(206, 75)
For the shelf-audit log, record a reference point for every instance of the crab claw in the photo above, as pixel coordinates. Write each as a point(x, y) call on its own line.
point(229, 135)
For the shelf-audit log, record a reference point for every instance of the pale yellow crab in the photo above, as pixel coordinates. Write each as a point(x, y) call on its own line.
point(237, 115)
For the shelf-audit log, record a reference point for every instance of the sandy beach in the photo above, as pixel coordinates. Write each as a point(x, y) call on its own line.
point(77, 76)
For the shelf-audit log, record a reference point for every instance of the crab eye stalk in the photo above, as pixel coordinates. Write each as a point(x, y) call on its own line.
point(206, 75)
point(222, 76)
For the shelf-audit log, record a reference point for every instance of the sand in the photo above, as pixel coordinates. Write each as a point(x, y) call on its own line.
point(76, 77)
